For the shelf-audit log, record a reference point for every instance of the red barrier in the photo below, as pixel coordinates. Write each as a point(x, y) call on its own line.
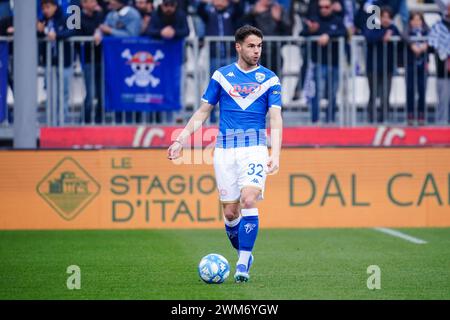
point(136, 137)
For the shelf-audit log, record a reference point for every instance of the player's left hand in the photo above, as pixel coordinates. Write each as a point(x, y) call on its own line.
point(273, 165)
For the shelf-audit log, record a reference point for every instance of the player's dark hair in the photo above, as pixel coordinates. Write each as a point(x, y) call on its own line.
point(243, 32)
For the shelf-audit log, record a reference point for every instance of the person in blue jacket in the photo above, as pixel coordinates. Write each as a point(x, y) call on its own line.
point(221, 18)
point(381, 55)
point(416, 67)
point(168, 22)
point(122, 21)
point(54, 28)
point(364, 12)
point(325, 57)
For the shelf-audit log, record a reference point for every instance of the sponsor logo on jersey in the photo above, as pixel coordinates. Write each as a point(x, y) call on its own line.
point(244, 89)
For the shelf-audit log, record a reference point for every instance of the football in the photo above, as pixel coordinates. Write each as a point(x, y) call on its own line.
point(213, 268)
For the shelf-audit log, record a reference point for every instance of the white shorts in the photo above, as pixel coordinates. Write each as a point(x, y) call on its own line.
point(237, 168)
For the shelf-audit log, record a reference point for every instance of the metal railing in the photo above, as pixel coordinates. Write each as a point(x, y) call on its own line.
point(304, 68)
point(400, 88)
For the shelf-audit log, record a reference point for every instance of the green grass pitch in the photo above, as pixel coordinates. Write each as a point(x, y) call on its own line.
point(162, 264)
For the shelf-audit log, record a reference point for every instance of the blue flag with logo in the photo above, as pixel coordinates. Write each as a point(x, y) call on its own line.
point(3, 79)
point(142, 74)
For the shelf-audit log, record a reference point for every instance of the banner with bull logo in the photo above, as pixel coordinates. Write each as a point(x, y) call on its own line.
point(142, 74)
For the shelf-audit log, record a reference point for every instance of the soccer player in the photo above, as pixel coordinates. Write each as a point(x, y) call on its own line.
point(245, 91)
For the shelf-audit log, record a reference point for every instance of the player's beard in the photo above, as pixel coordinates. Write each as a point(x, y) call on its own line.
point(250, 61)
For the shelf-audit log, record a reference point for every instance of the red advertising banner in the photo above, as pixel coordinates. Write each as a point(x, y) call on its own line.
point(141, 136)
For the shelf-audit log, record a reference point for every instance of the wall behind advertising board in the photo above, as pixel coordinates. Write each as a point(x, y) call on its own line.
point(122, 189)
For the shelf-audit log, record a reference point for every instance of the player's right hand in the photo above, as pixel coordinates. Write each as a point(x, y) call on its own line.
point(273, 165)
point(174, 151)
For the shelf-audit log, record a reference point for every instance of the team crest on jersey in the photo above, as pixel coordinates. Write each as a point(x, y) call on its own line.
point(260, 76)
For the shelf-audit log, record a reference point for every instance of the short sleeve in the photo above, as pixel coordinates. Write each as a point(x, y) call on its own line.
point(275, 95)
point(212, 93)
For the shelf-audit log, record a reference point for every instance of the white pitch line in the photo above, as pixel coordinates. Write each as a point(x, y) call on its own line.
point(401, 235)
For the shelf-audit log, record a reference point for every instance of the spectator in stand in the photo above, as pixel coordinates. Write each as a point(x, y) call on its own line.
point(122, 21)
point(5, 9)
point(7, 30)
point(439, 41)
point(349, 16)
point(168, 22)
point(91, 19)
point(310, 26)
point(184, 5)
point(54, 28)
point(103, 7)
point(397, 7)
point(328, 26)
point(442, 5)
point(221, 19)
point(337, 7)
point(145, 8)
point(380, 63)
point(273, 20)
point(416, 73)
point(286, 4)
point(64, 4)
point(301, 8)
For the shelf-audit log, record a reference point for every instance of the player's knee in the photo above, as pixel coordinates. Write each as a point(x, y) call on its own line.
point(231, 213)
point(248, 201)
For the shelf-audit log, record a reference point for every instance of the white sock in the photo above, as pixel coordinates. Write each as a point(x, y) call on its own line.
point(244, 256)
point(232, 223)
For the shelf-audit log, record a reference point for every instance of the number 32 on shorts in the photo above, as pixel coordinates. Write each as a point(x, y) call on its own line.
point(256, 169)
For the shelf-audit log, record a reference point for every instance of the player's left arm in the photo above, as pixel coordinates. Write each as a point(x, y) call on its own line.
point(276, 135)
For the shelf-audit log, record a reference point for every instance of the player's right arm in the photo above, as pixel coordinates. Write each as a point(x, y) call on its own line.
point(210, 99)
point(194, 123)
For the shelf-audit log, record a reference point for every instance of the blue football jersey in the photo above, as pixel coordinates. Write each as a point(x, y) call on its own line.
point(244, 98)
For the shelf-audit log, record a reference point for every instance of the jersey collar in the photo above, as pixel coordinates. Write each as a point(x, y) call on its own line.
point(246, 71)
